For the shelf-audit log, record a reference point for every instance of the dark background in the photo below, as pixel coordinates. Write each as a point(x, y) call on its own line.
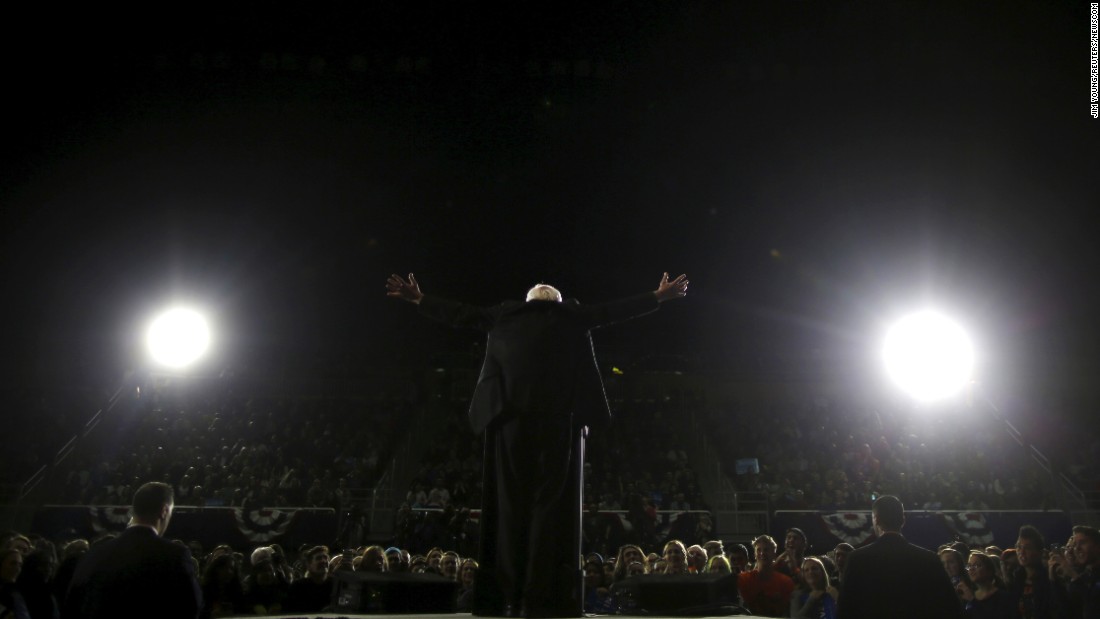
point(816, 168)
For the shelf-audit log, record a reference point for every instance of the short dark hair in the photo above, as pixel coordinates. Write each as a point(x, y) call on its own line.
point(1032, 534)
point(316, 549)
point(797, 531)
point(1089, 532)
point(889, 512)
point(150, 499)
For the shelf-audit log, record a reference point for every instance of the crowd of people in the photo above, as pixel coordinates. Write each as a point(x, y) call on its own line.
point(828, 456)
point(220, 447)
point(1030, 581)
point(223, 449)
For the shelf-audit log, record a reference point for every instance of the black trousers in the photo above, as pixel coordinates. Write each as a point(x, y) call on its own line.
point(531, 517)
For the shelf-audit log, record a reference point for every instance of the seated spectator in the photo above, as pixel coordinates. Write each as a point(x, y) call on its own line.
point(987, 598)
point(609, 570)
point(70, 556)
point(718, 564)
point(739, 558)
point(11, 601)
point(448, 565)
point(1009, 563)
point(1079, 594)
point(765, 591)
point(955, 567)
point(596, 594)
point(397, 560)
point(18, 541)
point(789, 561)
point(467, 577)
point(264, 592)
point(419, 565)
point(840, 557)
point(313, 592)
point(35, 581)
point(696, 559)
point(434, 556)
point(814, 597)
point(675, 558)
point(1030, 584)
point(374, 560)
point(628, 555)
point(222, 593)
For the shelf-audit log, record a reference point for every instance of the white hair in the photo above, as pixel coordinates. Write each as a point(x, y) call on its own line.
point(544, 292)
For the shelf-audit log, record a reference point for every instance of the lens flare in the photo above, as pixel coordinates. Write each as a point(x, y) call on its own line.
point(928, 356)
point(178, 337)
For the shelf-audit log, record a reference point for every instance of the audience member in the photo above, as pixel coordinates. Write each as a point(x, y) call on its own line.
point(764, 590)
point(739, 558)
point(265, 593)
point(696, 559)
point(954, 565)
point(814, 597)
point(467, 575)
point(840, 556)
point(11, 601)
point(986, 598)
point(629, 554)
point(313, 592)
point(789, 561)
point(1031, 586)
point(222, 590)
point(35, 581)
point(1078, 595)
point(675, 558)
point(718, 564)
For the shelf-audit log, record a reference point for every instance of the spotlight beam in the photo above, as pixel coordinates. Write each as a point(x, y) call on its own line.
point(928, 356)
point(178, 337)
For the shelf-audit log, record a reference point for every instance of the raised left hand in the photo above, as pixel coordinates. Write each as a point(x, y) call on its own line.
point(674, 289)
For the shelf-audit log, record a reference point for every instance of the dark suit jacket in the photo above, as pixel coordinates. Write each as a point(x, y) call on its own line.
point(137, 574)
point(893, 579)
point(538, 357)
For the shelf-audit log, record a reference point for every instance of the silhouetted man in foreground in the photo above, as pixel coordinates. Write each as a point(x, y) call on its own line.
point(892, 578)
point(137, 574)
point(539, 388)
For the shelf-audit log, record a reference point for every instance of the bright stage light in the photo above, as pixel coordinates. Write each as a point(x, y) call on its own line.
point(178, 337)
point(928, 356)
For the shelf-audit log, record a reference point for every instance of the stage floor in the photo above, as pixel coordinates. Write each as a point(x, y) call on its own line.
point(456, 616)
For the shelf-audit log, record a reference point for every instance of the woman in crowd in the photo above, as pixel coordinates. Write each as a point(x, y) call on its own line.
point(814, 597)
point(628, 554)
point(35, 581)
point(373, 560)
point(718, 564)
point(955, 566)
point(675, 556)
point(434, 556)
point(597, 598)
point(448, 564)
point(467, 574)
point(222, 593)
point(987, 599)
point(12, 605)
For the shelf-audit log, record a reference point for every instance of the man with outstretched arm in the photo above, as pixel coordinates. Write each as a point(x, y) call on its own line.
point(538, 390)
